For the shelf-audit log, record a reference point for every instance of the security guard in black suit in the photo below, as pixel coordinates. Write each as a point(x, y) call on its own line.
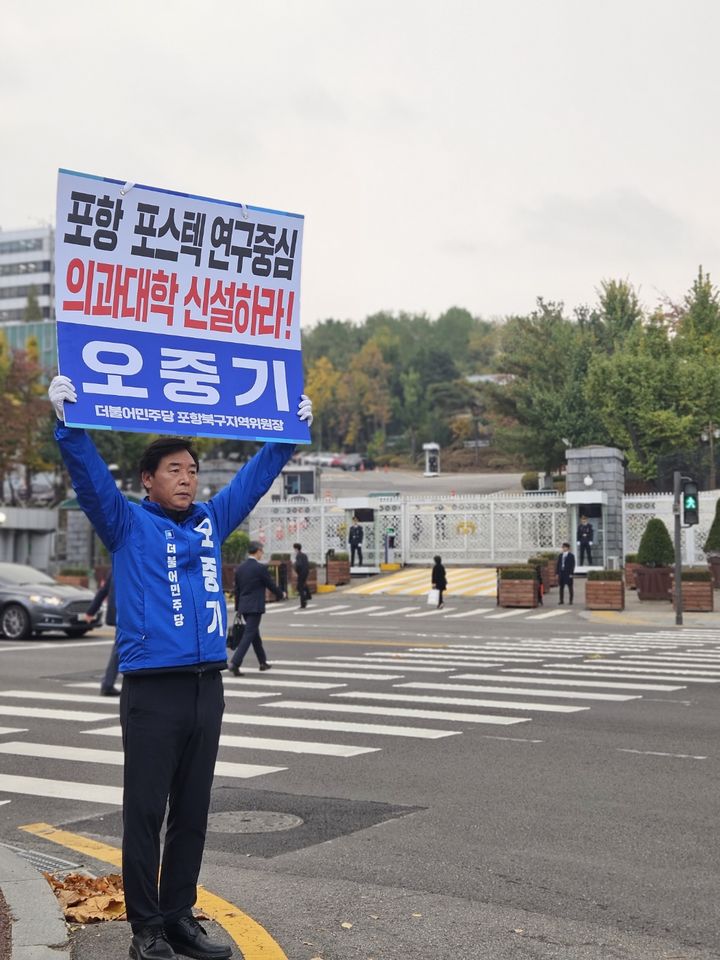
point(252, 579)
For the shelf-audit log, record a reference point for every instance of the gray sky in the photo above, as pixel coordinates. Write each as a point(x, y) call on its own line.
point(443, 153)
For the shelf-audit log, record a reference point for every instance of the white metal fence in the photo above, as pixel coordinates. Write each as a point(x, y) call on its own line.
point(475, 530)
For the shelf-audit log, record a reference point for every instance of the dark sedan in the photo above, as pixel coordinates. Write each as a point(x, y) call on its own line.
point(32, 602)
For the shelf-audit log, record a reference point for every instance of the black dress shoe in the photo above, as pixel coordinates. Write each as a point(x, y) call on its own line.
point(187, 937)
point(150, 943)
point(265, 666)
point(235, 671)
point(109, 692)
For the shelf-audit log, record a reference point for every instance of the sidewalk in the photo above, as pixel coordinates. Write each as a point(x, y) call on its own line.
point(38, 927)
point(658, 614)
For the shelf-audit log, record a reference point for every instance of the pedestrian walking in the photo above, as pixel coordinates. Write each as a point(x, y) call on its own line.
point(171, 643)
point(252, 579)
point(356, 535)
point(439, 579)
point(301, 565)
point(107, 592)
point(565, 568)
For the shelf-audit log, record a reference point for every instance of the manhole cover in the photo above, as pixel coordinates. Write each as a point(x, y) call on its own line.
point(252, 821)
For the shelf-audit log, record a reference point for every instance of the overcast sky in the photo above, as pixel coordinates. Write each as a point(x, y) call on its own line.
point(477, 154)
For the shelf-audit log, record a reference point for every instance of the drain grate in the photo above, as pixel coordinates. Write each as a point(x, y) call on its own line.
point(42, 861)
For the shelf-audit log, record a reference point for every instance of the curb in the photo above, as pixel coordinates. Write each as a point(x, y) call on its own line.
point(39, 931)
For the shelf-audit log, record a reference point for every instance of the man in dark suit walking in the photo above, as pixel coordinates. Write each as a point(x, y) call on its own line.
point(252, 579)
point(301, 565)
point(107, 592)
point(565, 567)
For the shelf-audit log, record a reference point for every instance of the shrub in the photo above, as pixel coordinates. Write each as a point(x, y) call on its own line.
point(696, 573)
point(234, 550)
point(605, 574)
point(631, 558)
point(73, 572)
point(340, 555)
point(712, 544)
point(530, 480)
point(517, 573)
point(656, 547)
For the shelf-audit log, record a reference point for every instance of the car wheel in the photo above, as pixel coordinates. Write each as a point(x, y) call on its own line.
point(15, 622)
point(76, 631)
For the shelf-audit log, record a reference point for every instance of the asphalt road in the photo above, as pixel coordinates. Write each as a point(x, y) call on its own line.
point(583, 833)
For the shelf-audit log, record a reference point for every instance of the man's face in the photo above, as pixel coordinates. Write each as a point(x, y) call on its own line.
point(174, 484)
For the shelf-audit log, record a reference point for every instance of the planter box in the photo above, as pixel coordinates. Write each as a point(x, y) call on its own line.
point(311, 580)
point(517, 593)
point(714, 565)
point(551, 567)
point(653, 583)
point(72, 581)
point(337, 572)
point(697, 596)
point(630, 581)
point(604, 595)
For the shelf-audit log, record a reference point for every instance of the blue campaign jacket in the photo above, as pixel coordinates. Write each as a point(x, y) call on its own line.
point(168, 576)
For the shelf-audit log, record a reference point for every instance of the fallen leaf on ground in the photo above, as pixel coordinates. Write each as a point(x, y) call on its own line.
point(89, 899)
point(346, 925)
point(416, 914)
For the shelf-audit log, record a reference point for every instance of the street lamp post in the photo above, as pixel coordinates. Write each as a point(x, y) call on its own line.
point(709, 436)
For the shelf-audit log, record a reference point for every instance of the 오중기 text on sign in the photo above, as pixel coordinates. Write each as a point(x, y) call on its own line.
point(177, 313)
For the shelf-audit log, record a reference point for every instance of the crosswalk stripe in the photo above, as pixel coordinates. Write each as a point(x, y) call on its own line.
point(614, 665)
point(116, 758)
point(477, 612)
point(61, 789)
point(320, 662)
point(519, 691)
point(354, 612)
point(41, 713)
point(569, 682)
point(610, 675)
point(270, 743)
point(336, 676)
point(508, 613)
point(479, 655)
point(79, 699)
point(548, 614)
point(382, 664)
point(319, 609)
point(398, 712)
point(391, 611)
point(330, 726)
point(462, 702)
point(7, 730)
point(429, 613)
point(676, 662)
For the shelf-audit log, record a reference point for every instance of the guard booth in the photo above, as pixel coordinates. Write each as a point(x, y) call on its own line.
point(432, 459)
point(595, 485)
point(380, 535)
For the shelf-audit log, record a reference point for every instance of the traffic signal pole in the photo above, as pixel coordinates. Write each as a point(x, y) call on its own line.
point(677, 490)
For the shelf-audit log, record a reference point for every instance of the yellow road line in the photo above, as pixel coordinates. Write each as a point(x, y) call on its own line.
point(253, 940)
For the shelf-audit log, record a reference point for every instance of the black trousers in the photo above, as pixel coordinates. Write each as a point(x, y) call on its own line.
point(355, 547)
point(250, 636)
point(585, 548)
point(303, 592)
point(171, 728)
point(565, 581)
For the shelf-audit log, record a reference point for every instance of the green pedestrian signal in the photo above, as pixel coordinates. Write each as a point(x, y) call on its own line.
point(690, 503)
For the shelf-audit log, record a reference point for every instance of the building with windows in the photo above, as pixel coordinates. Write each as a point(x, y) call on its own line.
point(26, 262)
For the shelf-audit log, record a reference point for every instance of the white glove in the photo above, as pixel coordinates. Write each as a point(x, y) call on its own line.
point(305, 409)
point(60, 390)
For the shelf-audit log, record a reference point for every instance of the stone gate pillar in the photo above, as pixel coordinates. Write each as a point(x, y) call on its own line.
point(595, 486)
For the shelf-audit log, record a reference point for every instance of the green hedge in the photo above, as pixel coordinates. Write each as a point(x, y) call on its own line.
point(656, 547)
point(517, 573)
point(631, 558)
point(604, 574)
point(696, 573)
point(712, 544)
point(530, 480)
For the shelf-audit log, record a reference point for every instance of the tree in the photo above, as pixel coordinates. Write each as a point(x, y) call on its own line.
point(32, 309)
point(322, 384)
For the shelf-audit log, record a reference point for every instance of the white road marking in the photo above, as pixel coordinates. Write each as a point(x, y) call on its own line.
point(6, 730)
point(608, 665)
point(519, 691)
point(429, 613)
point(356, 612)
point(548, 614)
point(336, 676)
point(77, 698)
point(508, 613)
point(42, 714)
point(462, 702)
point(419, 733)
point(565, 683)
point(477, 612)
point(61, 789)
point(389, 612)
point(657, 753)
point(397, 712)
point(115, 757)
point(270, 743)
point(613, 675)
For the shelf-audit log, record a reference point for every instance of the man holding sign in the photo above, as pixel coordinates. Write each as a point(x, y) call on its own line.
point(171, 628)
point(175, 314)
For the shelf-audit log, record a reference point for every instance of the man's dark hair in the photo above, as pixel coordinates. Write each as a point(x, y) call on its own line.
point(153, 454)
point(297, 546)
point(566, 544)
